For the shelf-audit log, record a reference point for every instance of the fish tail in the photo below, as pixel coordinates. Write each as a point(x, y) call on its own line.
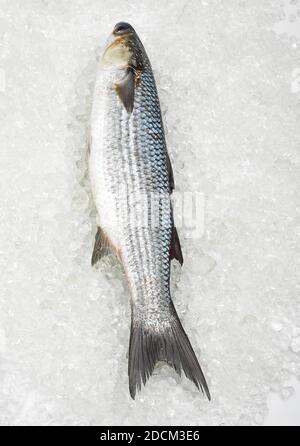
point(165, 341)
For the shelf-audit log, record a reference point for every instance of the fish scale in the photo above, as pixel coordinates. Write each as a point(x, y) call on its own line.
point(130, 180)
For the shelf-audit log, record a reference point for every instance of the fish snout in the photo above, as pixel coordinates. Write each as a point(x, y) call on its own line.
point(122, 28)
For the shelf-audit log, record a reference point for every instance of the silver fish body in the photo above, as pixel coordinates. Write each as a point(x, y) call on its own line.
point(131, 180)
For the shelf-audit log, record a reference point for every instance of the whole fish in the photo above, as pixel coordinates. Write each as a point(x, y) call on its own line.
point(132, 180)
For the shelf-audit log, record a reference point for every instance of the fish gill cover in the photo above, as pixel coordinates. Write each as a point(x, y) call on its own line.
point(229, 88)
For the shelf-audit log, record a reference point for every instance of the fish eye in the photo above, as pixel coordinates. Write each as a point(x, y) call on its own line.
point(121, 28)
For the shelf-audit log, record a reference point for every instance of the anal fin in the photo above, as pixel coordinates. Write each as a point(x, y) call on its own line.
point(175, 248)
point(101, 247)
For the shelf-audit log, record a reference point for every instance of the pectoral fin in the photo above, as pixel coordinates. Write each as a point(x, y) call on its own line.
point(101, 247)
point(175, 248)
point(125, 89)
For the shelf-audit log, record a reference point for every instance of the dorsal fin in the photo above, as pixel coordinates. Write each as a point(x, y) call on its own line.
point(125, 89)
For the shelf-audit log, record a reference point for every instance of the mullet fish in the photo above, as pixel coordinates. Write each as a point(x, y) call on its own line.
point(132, 180)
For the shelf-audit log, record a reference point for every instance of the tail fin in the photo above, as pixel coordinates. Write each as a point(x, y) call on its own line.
point(165, 342)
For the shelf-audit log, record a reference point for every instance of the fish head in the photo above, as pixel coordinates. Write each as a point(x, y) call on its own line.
point(123, 48)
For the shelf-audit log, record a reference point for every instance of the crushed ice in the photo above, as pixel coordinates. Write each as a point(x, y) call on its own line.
point(232, 120)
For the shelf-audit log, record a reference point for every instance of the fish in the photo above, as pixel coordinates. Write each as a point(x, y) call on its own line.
point(132, 181)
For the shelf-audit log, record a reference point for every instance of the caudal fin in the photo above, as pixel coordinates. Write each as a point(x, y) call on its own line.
point(163, 342)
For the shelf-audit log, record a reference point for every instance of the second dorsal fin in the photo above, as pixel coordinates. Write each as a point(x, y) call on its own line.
point(175, 248)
